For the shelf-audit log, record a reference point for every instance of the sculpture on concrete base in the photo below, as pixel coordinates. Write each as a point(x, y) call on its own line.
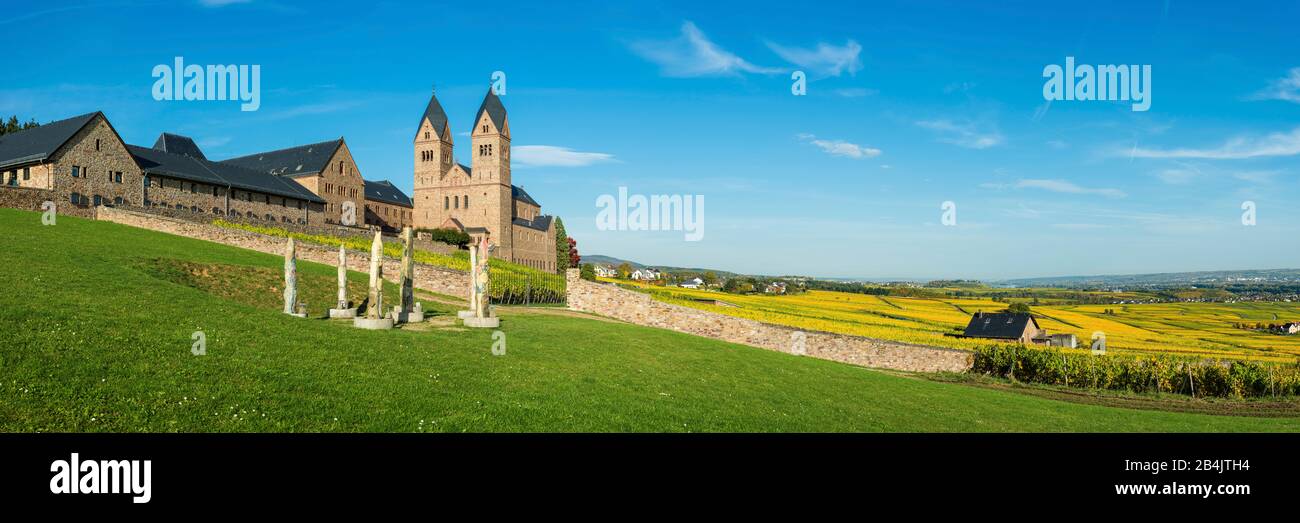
point(375, 319)
point(291, 280)
point(341, 309)
point(406, 312)
point(479, 282)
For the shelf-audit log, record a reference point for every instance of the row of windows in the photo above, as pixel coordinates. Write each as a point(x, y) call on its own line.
point(11, 178)
point(449, 202)
point(330, 188)
point(97, 200)
point(539, 265)
point(217, 211)
point(485, 149)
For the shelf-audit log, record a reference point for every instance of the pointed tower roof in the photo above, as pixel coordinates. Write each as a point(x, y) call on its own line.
point(177, 144)
point(435, 115)
point(495, 110)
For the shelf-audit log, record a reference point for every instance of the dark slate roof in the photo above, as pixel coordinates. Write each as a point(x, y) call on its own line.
point(177, 144)
point(541, 223)
point(385, 191)
point(1006, 325)
point(294, 161)
point(518, 193)
point(436, 116)
point(466, 168)
point(162, 163)
point(495, 110)
point(39, 143)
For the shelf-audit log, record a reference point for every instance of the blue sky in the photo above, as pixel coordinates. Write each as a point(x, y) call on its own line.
point(908, 105)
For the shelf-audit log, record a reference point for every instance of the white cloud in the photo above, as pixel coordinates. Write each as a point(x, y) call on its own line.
point(693, 54)
point(965, 134)
point(1256, 176)
point(222, 3)
point(855, 92)
point(553, 156)
point(1286, 88)
point(1062, 186)
point(1080, 226)
point(1057, 144)
point(825, 60)
point(1177, 176)
point(842, 148)
point(1240, 148)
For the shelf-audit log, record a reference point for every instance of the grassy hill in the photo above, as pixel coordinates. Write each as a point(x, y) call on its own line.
point(95, 335)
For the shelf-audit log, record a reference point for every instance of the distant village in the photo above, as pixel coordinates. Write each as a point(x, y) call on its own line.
point(735, 284)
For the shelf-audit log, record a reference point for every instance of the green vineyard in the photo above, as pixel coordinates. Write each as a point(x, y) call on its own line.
point(511, 283)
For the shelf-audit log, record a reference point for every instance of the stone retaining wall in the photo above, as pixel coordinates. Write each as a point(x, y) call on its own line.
point(30, 199)
point(641, 309)
point(427, 277)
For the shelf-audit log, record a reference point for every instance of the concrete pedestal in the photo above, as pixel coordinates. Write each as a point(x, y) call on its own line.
point(483, 323)
point(374, 325)
point(464, 314)
point(297, 314)
point(344, 313)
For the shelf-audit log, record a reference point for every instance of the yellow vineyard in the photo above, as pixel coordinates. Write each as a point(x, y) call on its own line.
point(1195, 329)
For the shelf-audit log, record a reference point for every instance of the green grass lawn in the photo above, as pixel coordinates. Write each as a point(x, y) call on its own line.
point(95, 335)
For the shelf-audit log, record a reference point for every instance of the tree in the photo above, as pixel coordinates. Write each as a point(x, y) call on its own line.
point(624, 270)
point(574, 258)
point(1018, 308)
point(562, 248)
point(12, 126)
point(588, 272)
point(710, 278)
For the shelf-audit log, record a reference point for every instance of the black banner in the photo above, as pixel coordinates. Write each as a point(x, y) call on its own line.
point(1090, 472)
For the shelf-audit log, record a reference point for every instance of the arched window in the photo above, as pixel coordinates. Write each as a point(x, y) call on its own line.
point(466, 201)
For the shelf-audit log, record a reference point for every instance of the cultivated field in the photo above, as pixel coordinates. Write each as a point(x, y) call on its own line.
point(1200, 329)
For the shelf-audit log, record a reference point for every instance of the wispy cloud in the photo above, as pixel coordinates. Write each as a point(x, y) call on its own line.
point(312, 109)
point(553, 156)
point(1286, 88)
point(222, 3)
point(824, 60)
point(841, 148)
point(855, 92)
point(1240, 148)
point(1062, 186)
point(1256, 176)
point(692, 54)
point(963, 134)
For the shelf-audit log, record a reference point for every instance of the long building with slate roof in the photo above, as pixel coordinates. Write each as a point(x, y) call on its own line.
point(85, 163)
point(449, 194)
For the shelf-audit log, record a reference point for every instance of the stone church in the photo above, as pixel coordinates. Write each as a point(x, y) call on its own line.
point(450, 194)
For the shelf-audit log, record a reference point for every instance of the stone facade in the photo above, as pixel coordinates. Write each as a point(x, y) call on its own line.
point(32, 199)
point(427, 277)
point(92, 168)
point(388, 216)
point(641, 309)
point(339, 184)
point(200, 198)
point(534, 248)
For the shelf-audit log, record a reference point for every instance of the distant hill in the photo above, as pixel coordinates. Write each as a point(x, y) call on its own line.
point(1162, 279)
point(615, 262)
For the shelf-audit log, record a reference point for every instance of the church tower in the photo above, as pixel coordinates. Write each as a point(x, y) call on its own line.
point(491, 141)
point(433, 160)
point(490, 147)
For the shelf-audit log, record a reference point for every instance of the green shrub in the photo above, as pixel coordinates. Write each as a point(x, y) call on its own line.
point(448, 236)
